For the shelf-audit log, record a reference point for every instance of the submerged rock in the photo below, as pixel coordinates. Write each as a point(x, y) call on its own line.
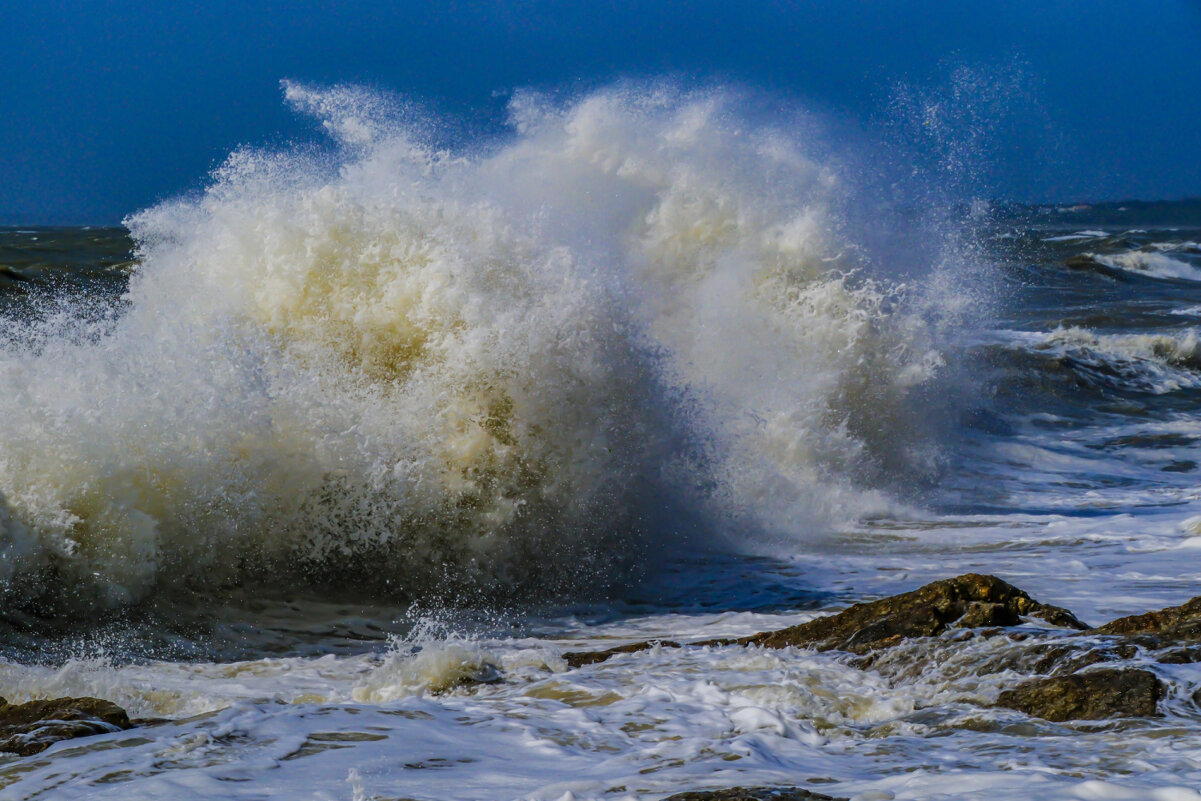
point(1091, 695)
point(34, 726)
point(752, 794)
point(969, 601)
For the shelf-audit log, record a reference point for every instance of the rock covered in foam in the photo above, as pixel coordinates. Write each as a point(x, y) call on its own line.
point(36, 725)
point(1090, 695)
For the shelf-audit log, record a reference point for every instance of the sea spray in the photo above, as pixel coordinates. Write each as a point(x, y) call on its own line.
point(636, 322)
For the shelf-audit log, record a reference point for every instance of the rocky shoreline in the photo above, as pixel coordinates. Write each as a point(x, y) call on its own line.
point(986, 606)
point(1076, 675)
point(1075, 685)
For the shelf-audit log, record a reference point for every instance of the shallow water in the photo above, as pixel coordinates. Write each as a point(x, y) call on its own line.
point(326, 469)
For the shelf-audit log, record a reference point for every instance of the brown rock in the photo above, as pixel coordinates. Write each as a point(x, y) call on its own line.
point(1174, 623)
point(1092, 695)
point(967, 601)
point(34, 726)
point(752, 794)
point(577, 659)
point(1179, 656)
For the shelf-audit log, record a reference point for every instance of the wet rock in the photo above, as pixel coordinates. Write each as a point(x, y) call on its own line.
point(34, 726)
point(752, 794)
point(967, 601)
point(484, 673)
point(1086, 261)
point(983, 615)
point(1060, 658)
point(577, 659)
point(1024, 652)
point(1092, 695)
point(1179, 656)
point(1173, 623)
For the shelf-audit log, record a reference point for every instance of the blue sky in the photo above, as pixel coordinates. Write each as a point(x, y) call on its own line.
point(110, 106)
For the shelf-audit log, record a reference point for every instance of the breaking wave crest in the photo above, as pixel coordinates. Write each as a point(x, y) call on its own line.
point(1155, 363)
point(637, 319)
point(1151, 263)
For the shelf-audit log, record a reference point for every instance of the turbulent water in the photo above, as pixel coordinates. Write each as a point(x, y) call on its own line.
point(285, 462)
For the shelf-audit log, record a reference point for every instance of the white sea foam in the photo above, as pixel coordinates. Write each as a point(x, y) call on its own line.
point(487, 368)
point(641, 725)
point(911, 726)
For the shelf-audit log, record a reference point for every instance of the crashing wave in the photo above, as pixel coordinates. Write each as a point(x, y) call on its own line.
point(426, 371)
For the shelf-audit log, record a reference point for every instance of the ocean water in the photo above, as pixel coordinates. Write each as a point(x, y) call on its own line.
point(323, 468)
